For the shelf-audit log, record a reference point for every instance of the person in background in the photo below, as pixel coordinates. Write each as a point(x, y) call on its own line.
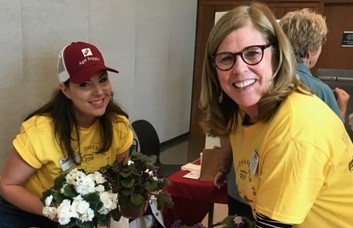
point(80, 126)
point(292, 168)
point(307, 32)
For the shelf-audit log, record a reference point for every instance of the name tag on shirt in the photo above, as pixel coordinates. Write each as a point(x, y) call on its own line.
point(67, 163)
point(254, 164)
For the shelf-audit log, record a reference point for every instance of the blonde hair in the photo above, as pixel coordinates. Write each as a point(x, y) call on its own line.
point(221, 118)
point(306, 31)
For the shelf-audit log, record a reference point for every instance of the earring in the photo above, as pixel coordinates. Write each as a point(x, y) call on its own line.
point(220, 97)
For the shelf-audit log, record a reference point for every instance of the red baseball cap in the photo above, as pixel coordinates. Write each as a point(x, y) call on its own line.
point(79, 61)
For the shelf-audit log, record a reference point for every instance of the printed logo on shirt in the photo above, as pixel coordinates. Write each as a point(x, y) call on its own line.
point(350, 166)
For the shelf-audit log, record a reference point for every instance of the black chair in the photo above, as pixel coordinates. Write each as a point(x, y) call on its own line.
point(150, 145)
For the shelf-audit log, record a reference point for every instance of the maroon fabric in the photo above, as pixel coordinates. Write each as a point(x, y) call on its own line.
point(187, 211)
point(192, 199)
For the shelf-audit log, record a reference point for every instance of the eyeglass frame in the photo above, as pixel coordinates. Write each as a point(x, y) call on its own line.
point(235, 54)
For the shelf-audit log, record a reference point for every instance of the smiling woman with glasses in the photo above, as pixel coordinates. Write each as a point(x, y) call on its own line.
point(291, 167)
point(251, 55)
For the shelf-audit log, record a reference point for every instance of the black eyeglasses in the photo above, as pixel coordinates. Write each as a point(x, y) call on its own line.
point(251, 55)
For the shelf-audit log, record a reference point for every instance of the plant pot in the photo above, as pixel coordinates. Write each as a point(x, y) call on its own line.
point(132, 212)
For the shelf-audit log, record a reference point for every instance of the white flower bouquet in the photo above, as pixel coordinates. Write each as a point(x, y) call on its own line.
point(81, 200)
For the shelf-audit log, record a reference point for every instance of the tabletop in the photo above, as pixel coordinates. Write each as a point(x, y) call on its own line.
point(193, 199)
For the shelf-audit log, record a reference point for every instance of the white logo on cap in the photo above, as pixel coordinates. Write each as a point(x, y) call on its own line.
point(86, 52)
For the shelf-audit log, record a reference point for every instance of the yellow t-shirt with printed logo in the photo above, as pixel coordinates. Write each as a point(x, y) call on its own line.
point(37, 145)
point(297, 168)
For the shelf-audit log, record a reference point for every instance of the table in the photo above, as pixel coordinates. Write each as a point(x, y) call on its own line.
point(193, 199)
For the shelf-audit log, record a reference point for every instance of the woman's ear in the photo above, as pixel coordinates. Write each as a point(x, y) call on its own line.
point(65, 89)
point(308, 55)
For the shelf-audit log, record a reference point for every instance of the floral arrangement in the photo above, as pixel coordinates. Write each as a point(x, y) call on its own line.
point(135, 182)
point(235, 221)
point(81, 200)
point(88, 200)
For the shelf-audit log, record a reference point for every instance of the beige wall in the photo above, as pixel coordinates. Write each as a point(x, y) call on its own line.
point(150, 42)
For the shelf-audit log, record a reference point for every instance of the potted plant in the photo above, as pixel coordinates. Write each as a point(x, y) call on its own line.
point(135, 182)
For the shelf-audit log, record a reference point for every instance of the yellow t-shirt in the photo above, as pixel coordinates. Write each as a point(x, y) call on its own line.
point(37, 145)
point(297, 168)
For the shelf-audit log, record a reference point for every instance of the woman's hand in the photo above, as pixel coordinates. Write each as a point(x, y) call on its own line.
point(342, 100)
point(124, 156)
point(221, 178)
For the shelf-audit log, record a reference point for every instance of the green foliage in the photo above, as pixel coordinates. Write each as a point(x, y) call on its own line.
point(136, 181)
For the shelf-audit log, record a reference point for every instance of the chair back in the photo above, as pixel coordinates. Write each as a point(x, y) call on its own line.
point(147, 137)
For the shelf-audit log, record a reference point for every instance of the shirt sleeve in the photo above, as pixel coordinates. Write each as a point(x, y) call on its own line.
point(124, 134)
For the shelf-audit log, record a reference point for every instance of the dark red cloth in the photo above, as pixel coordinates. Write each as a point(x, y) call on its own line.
point(192, 199)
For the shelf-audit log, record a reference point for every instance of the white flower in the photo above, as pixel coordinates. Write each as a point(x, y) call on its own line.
point(48, 200)
point(130, 162)
point(50, 212)
point(83, 209)
point(65, 212)
point(99, 178)
point(87, 216)
point(109, 200)
point(150, 172)
point(238, 220)
point(100, 188)
point(71, 176)
point(85, 184)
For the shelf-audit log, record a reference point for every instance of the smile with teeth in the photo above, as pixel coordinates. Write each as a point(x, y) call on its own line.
point(97, 102)
point(244, 84)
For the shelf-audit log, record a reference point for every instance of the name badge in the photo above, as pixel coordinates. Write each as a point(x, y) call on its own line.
point(67, 163)
point(254, 164)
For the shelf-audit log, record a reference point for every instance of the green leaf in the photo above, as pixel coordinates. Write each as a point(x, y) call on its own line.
point(151, 187)
point(69, 191)
point(128, 183)
point(94, 201)
point(164, 198)
point(137, 200)
point(116, 215)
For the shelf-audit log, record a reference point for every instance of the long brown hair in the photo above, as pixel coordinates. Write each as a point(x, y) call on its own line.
point(61, 110)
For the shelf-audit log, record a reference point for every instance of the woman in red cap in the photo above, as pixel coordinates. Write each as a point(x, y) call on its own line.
point(80, 126)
